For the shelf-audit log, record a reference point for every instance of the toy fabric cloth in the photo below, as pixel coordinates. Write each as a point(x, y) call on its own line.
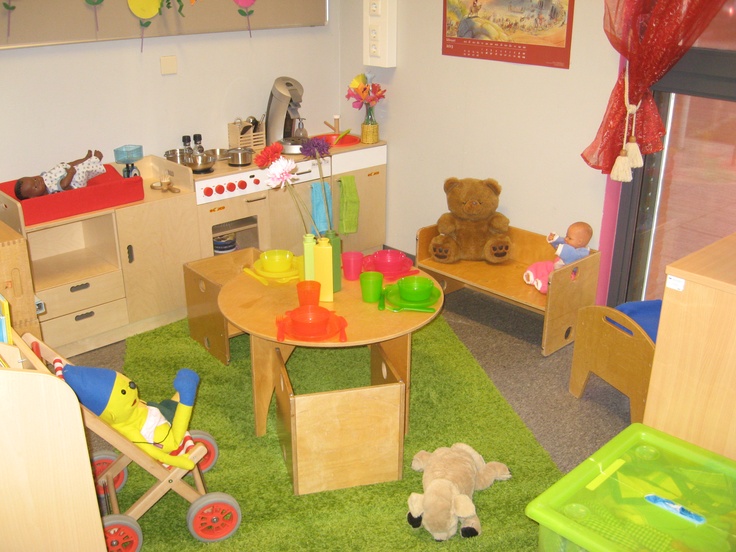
point(349, 205)
point(319, 209)
point(85, 170)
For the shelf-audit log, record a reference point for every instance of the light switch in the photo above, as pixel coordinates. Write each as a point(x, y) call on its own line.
point(168, 65)
point(380, 32)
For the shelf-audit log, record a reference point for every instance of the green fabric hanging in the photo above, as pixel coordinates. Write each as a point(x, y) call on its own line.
point(349, 205)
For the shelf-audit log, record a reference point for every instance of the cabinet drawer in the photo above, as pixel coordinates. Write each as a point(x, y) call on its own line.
point(82, 294)
point(84, 323)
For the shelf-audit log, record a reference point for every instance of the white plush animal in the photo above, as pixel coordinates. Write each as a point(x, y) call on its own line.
point(451, 475)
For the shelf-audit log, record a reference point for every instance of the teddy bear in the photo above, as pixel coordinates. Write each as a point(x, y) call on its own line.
point(161, 430)
point(451, 475)
point(473, 230)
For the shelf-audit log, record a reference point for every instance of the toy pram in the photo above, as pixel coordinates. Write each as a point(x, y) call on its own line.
point(211, 516)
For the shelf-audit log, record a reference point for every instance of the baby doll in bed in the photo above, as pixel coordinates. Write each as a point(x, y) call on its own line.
point(571, 248)
point(63, 176)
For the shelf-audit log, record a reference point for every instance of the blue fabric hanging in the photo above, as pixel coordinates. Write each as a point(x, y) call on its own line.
point(319, 211)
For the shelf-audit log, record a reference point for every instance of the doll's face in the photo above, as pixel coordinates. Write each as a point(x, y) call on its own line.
point(578, 235)
point(32, 186)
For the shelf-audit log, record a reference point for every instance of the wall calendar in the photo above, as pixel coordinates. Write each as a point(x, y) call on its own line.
point(534, 32)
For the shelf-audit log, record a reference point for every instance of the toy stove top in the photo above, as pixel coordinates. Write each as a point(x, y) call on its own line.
point(226, 182)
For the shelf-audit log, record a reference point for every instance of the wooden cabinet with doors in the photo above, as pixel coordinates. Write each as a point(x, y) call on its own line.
point(691, 390)
point(77, 276)
point(156, 238)
point(106, 275)
point(367, 165)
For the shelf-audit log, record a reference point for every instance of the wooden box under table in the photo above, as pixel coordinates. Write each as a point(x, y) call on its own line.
point(344, 438)
point(202, 282)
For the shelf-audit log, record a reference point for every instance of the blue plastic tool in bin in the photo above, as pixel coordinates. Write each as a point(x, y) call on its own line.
point(644, 490)
point(128, 154)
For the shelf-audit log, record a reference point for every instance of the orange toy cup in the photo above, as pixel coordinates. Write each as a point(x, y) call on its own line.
point(308, 292)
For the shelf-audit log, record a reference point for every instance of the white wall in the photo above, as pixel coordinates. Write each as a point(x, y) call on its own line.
point(444, 116)
point(523, 125)
point(57, 102)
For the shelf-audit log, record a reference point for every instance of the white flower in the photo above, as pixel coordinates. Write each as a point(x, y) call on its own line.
point(281, 173)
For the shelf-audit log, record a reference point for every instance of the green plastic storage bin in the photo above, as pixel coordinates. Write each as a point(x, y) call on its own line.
point(643, 491)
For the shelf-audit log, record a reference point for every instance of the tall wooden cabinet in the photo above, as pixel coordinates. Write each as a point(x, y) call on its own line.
point(692, 391)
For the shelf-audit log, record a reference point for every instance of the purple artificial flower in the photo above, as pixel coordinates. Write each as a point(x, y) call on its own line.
point(315, 148)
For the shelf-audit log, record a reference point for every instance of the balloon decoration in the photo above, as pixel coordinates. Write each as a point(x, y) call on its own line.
point(9, 7)
point(94, 4)
point(246, 11)
point(144, 9)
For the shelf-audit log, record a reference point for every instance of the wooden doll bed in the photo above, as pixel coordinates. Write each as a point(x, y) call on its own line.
point(616, 348)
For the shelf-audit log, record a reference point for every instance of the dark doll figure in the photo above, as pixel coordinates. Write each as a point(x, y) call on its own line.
point(63, 176)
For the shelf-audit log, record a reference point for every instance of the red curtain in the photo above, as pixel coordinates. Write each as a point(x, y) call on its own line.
point(652, 35)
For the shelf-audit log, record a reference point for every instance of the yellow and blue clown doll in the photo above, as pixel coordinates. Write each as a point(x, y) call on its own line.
point(161, 430)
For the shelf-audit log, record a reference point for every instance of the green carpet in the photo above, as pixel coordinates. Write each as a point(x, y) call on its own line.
point(452, 401)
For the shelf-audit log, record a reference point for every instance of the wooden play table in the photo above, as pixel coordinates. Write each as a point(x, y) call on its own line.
point(334, 439)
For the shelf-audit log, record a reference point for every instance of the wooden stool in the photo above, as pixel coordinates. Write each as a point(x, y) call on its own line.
point(202, 282)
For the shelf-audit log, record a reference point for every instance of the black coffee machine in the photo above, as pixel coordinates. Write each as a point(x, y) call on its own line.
point(283, 123)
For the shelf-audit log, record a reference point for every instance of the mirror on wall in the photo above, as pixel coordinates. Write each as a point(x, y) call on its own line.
point(26, 23)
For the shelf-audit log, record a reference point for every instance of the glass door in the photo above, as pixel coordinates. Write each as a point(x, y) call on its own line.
point(685, 196)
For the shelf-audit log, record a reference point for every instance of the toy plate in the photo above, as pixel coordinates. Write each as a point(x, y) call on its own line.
point(404, 269)
point(336, 324)
point(392, 296)
point(293, 272)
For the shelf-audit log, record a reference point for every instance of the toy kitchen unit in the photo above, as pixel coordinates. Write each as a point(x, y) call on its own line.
point(237, 209)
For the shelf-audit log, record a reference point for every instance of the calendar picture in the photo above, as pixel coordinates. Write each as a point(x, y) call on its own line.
point(534, 32)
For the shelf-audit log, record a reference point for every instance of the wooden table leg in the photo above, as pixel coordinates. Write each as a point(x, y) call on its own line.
point(264, 364)
point(397, 352)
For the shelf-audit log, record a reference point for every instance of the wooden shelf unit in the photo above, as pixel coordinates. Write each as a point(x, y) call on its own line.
point(691, 390)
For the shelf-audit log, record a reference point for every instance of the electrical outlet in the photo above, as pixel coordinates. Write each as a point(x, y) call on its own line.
point(379, 32)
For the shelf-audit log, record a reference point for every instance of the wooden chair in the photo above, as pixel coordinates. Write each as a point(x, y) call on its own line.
point(613, 346)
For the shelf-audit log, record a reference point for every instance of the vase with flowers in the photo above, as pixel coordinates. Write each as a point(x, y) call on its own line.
point(280, 174)
point(364, 92)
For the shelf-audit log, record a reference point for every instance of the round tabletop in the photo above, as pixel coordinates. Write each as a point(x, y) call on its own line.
point(254, 308)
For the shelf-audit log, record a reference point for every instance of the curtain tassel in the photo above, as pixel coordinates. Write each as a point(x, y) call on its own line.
point(634, 153)
point(621, 170)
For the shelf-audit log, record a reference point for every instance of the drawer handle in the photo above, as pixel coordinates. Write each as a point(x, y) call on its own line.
point(253, 200)
point(79, 287)
point(84, 316)
point(131, 257)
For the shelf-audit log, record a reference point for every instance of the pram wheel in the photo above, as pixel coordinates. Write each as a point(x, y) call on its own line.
point(122, 533)
point(100, 462)
point(213, 451)
point(213, 517)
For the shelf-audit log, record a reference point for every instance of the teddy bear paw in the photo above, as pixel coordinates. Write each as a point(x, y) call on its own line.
point(500, 251)
point(440, 253)
point(496, 250)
